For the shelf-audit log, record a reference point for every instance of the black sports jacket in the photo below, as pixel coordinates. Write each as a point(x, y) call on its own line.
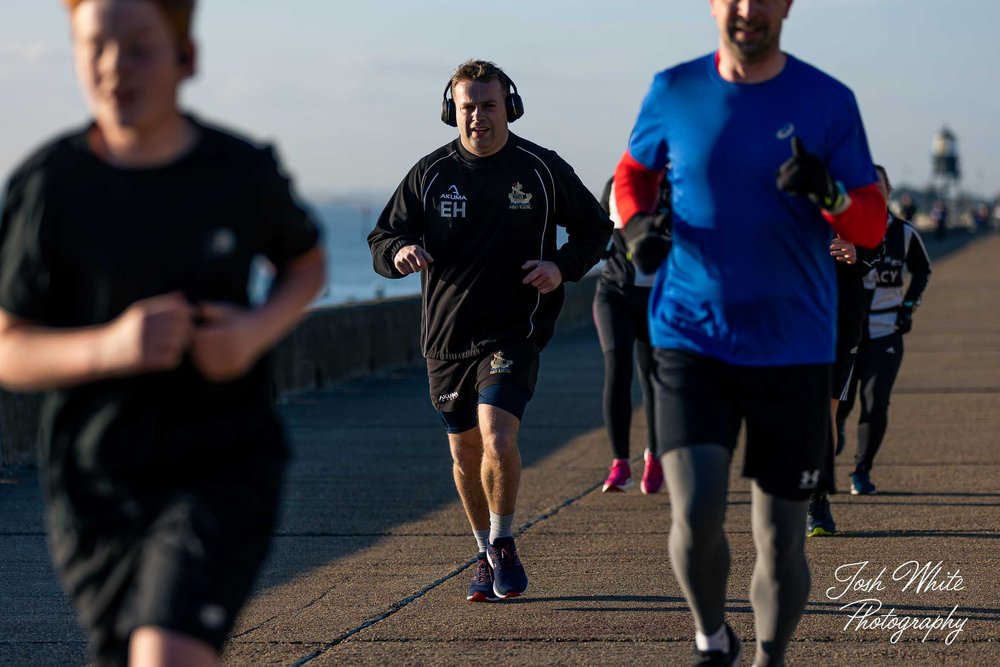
point(905, 255)
point(481, 219)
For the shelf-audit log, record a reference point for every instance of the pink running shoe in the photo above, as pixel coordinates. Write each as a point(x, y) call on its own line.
point(619, 476)
point(652, 476)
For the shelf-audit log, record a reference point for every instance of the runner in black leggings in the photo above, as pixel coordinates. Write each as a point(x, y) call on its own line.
point(622, 320)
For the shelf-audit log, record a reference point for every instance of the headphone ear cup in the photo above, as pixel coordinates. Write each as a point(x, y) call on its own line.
point(515, 107)
point(448, 114)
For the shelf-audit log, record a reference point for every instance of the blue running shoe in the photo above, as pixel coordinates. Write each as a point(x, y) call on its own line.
point(721, 658)
point(819, 520)
point(481, 587)
point(509, 579)
point(861, 483)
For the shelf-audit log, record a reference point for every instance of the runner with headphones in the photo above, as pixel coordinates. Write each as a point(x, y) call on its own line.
point(477, 218)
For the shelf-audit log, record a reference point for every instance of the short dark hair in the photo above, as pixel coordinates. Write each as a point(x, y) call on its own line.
point(480, 70)
point(880, 169)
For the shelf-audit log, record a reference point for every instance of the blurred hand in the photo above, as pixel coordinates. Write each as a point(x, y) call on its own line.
point(151, 335)
point(648, 240)
point(411, 259)
point(904, 318)
point(544, 276)
point(804, 174)
point(224, 342)
point(843, 251)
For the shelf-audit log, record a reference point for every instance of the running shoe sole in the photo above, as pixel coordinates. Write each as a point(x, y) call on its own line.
point(821, 531)
point(511, 595)
point(479, 596)
point(618, 488)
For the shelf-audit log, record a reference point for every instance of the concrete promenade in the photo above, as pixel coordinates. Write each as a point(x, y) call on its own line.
point(373, 554)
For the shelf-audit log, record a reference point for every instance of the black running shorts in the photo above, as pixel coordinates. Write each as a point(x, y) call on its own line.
point(455, 384)
point(181, 559)
point(786, 409)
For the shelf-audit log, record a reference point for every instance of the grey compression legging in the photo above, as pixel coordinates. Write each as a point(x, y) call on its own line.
point(698, 482)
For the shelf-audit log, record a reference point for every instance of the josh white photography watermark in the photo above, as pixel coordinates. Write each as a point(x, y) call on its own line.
point(919, 579)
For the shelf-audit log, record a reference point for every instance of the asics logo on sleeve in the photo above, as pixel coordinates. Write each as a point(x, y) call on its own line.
point(785, 132)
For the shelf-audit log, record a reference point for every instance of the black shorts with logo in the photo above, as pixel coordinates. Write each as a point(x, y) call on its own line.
point(455, 384)
point(703, 401)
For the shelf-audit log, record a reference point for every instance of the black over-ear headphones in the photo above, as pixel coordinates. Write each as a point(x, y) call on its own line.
point(513, 103)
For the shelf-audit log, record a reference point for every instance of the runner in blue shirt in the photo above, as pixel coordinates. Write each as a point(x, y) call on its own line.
point(768, 161)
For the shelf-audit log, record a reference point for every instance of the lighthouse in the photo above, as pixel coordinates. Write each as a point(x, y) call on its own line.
point(944, 163)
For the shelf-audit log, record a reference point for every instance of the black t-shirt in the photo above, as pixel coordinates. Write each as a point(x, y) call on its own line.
point(481, 219)
point(82, 240)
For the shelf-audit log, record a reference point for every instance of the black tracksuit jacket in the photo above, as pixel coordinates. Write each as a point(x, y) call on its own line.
point(481, 219)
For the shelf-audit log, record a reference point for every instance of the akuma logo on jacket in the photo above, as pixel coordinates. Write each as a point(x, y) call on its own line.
point(451, 204)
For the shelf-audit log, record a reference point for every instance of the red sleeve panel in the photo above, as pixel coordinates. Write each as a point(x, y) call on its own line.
point(863, 222)
point(636, 188)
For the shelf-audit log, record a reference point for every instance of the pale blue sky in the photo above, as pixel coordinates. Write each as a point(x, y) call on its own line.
point(350, 91)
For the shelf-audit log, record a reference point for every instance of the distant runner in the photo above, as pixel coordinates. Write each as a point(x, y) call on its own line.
point(621, 315)
point(891, 305)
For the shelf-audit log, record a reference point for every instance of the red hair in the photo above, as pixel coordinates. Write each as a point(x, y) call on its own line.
point(178, 13)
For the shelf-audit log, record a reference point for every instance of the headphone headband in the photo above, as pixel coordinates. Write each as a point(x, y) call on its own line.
point(512, 102)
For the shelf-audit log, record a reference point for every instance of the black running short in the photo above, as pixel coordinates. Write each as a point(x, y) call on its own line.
point(786, 409)
point(182, 558)
point(455, 385)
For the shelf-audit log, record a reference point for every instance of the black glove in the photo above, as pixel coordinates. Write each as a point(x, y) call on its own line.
point(804, 174)
point(904, 317)
point(647, 238)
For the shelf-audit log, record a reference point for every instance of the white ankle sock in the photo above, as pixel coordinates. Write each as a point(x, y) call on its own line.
point(501, 526)
point(717, 641)
point(482, 538)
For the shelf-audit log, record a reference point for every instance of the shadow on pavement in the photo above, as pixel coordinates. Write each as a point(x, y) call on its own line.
point(370, 456)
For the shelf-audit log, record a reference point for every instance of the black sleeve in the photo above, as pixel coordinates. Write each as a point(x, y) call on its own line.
point(24, 251)
point(919, 266)
point(587, 223)
point(400, 224)
point(867, 258)
point(291, 230)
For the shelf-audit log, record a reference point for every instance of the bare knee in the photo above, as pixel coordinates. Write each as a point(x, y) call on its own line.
point(500, 446)
point(467, 452)
point(499, 430)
